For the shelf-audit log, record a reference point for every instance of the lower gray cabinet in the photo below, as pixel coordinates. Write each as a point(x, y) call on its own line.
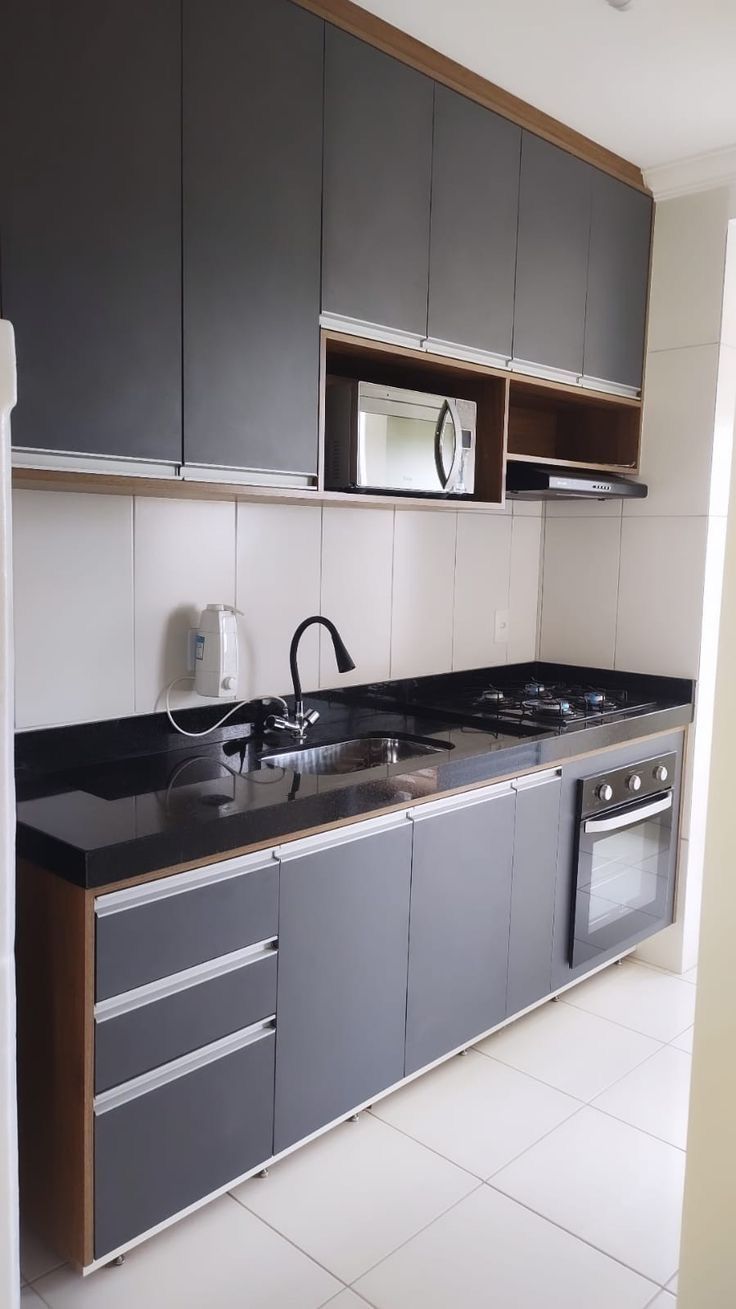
point(166, 1141)
point(459, 927)
point(343, 942)
point(533, 888)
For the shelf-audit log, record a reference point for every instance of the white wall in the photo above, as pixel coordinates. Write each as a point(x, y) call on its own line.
point(636, 585)
point(107, 588)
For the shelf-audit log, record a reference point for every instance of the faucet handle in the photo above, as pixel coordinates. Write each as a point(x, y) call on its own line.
point(310, 717)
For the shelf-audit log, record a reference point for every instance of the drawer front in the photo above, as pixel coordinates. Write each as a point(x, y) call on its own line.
point(133, 1040)
point(176, 923)
point(172, 1145)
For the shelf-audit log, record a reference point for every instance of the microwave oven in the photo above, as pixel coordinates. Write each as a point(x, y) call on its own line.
point(384, 438)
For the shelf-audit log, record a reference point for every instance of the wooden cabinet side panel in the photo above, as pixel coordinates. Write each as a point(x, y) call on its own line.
point(55, 980)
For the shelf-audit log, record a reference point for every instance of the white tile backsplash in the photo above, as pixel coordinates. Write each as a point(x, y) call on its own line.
point(688, 262)
point(357, 570)
point(423, 592)
point(184, 560)
point(661, 595)
point(278, 584)
point(581, 559)
point(524, 586)
point(677, 432)
point(482, 575)
point(73, 584)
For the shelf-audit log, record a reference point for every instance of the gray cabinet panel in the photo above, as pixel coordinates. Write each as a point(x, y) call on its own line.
point(552, 256)
point(533, 893)
point(141, 1039)
point(561, 970)
point(377, 176)
point(252, 151)
point(618, 277)
point(475, 205)
point(90, 216)
point(166, 1149)
point(156, 939)
point(343, 942)
point(459, 930)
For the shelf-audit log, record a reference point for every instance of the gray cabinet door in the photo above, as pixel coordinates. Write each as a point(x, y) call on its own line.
point(552, 256)
point(564, 896)
point(618, 278)
point(90, 215)
point(252, 152)
point(341, 1002)
point(459, 929)
point(475, 206)
point(533, 892)
point(378, 165)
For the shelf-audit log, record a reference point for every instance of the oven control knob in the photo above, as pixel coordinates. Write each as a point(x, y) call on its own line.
point(661, 772)
point(604, 791)
point(634, 782)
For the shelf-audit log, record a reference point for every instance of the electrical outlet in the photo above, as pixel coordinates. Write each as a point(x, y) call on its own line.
point(501, 627)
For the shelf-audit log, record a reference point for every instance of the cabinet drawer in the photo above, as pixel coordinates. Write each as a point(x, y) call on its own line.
point(152, 931)
point(144, 1029)
point(169, 1139)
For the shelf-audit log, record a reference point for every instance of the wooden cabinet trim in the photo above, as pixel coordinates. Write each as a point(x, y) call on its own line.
point(351, 18)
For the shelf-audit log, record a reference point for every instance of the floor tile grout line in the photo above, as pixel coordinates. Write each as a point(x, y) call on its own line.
point(344, 1285)
point(478, 1177)
point(625, 1026)
point(550, 1085)
point(659, 1286)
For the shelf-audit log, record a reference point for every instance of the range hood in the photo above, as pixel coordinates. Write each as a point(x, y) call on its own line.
point(542, 482)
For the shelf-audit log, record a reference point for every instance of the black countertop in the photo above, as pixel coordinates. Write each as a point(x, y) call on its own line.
point(104, 802)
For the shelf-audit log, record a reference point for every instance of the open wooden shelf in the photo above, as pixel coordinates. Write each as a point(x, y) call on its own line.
point(572, 427)
point(417, 370)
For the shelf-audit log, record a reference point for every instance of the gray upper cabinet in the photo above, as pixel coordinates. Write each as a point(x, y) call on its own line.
point(341, 1003)
point(252, 151)
point(533, 891)
point(475, 205)
point(377, 179)
point(552, 256)
point(459, 937)
point(90, 223)
point(618, 277)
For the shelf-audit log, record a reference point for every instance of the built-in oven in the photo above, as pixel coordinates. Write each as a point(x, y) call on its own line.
point(625, 858)
point(386, 438)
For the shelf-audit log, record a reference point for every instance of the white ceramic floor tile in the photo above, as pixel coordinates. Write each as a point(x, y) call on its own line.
point(347, 1300)
point(477, 1112)
point(654, 1097)
point(663, 1301)
point(645, 999)
point(35, 1256)
point(220, 1257)
point(29, 1299)
point(609, 1184)
point(672, 1286)
point(356, 1194)
point(489, 1253)
point(691, 975)
point(685, 1041)
point(568, 1049)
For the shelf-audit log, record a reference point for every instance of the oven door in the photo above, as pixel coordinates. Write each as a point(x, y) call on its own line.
point(624, 877)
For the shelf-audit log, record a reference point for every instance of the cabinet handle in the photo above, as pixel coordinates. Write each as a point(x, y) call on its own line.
point(462, 801)
point(163, 887)
point(188, 1063)
point(340, 836)
point(163, 987)
point(537, 779)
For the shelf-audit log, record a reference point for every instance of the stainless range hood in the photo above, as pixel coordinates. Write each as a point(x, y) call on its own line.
point(541, 482)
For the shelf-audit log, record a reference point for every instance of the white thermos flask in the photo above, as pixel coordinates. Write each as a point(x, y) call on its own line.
point(216, 652)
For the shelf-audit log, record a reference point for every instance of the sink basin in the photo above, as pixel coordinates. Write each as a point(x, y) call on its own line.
point(353, 756)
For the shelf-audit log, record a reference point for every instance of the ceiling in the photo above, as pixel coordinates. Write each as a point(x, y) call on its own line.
point(656, 83)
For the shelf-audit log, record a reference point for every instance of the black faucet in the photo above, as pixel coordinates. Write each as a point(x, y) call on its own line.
point(303, 720)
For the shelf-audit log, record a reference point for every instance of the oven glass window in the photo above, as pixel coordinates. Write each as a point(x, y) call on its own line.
point(624, 883)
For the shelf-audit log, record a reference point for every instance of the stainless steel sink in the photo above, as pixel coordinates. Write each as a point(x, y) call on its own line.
point(354, 756)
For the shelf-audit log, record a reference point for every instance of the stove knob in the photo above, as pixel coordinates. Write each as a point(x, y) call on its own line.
point(661, 772)
point(634, 782)
point(604, 791)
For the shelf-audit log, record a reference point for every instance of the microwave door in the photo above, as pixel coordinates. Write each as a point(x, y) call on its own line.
point(448, 445)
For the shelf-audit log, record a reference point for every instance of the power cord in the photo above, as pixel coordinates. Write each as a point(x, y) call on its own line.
point(207, 730)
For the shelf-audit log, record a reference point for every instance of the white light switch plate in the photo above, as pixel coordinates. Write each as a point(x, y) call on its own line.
point(501, 627)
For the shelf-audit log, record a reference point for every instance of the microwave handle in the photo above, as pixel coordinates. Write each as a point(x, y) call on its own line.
point(630, 817)
point(447, 480)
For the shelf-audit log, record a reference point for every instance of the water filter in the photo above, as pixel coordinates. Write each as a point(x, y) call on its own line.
point(216, 652)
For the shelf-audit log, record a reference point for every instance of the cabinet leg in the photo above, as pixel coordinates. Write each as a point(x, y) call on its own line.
point(555, 999)
point(354, 1118)
point(117, 1263)
point(263, 1173)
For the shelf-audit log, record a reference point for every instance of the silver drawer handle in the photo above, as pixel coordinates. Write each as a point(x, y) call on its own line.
point(188, 1063)
point(630, 818)
point(161, 888)
point(163, 987)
